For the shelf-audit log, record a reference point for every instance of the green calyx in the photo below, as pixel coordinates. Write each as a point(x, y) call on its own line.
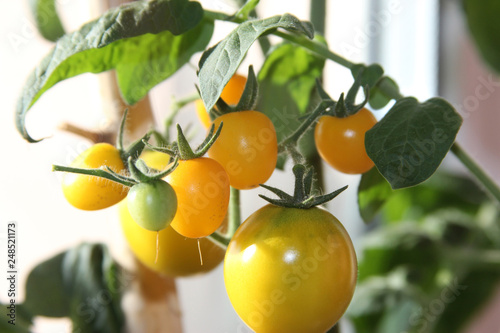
point(182, 149)
point(302, 197)
point(143, 174)
point(346, 105)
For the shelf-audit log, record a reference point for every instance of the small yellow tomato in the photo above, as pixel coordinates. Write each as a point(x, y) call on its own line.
point(247, 148)
point(341, 141)
point(93, 193)
point(202, 188)
point(231, 94)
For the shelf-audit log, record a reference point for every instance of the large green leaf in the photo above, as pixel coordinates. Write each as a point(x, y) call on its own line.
point(45, 292)
point(46, 19)
point(150, 59)
point(219, 63)
point(83, 283)
point(482, 18)
point(120, 38)
point(442, 190)
point(410, 142)
point(287, 82)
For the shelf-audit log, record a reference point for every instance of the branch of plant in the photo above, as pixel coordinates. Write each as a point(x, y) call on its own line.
point(477, 171)
point(389, 90)
point(94, 172)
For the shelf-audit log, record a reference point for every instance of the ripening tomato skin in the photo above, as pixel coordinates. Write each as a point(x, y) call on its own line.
point(233, 90)
point(247, 148)
point(290, 270)
point(152, 205)
point(178, 256)
point(231, 94)
point(202, 113)
point(202, 188)
point(94, 193)
point(341, 141)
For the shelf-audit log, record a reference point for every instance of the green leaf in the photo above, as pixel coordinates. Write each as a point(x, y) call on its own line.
point(482, 19)
point(219, 63)
point(378, 96)
point(150, 59)
point(247, 8)
point(46, 19)
point(371, 74)
point(82, 283)
point(288, 78)
point(95, 287)
point(465, 298)
point(410, 142)
point(373, 192)
point(45, 294)
point(111, 41)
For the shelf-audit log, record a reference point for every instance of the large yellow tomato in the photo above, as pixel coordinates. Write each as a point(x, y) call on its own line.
point(93, 193)
point(290, 270)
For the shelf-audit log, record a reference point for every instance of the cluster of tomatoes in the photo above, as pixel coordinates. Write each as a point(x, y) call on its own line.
point(286, 268)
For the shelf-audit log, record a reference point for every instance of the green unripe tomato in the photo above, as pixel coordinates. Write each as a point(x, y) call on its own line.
point(152, 205)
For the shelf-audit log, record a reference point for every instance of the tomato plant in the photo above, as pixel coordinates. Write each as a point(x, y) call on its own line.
point(291, 266)
point(341, 141)
point(290, 270)
point(93, 193)
point(248, 153)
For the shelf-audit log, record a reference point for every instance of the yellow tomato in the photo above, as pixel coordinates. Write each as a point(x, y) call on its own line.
point(247, 148)
point(177, 255)
point(290, 270)
point(231, 94)
point(93, 193)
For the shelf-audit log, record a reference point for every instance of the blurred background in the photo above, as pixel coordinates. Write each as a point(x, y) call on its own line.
point(425, 46)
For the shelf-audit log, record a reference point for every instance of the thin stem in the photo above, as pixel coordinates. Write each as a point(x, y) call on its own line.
point(177, 105)
point(295, 136)
point(234, 213)
point(487, 182)
point(218, 239)
point(314, 46)
point(93, 172)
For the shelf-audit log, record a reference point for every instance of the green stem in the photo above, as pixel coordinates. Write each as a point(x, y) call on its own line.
point(318, 14)
point(93, 172)
point(295, 136)
point(234, 213)
point(314, 46)
point(487, 182)
point(219, 240)
point(177, 105)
